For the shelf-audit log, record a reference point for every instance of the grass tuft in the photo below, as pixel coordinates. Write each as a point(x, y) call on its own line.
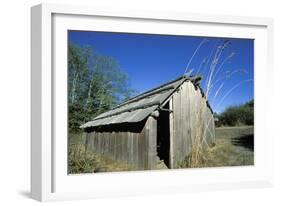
point(82, 161)
point(225, 152)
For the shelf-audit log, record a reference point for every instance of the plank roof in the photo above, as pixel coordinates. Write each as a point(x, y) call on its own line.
point(139, 107)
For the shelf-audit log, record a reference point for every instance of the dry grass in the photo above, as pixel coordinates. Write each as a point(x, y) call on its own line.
point(202, 133)
point(82, 161)
point(225, 152)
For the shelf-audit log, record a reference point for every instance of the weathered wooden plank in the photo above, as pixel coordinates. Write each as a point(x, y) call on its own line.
point(137, 150)
point(126, 148)
point(141, 152)
point(131, 151)
point(108, 144)
point(189, 118)
point(186, 121)
point(105, 144)
point(140, 155)
point(134, 150)
point(182, 125)
point(177, 128)
point(151, 138)
point(192, 113)
point(114, 145)
point(172, 141)
point(119, 142)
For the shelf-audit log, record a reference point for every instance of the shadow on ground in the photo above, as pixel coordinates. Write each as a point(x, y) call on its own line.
point(25, 193)
point(246, 141)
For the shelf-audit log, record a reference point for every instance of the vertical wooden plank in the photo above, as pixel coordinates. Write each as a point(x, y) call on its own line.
point(151, 128)
point(92, 138)
point(171, 158)
point(105, 143)
point(120, 146)
point(140, 152)
point(134, 150)
point(123, 146)
point(109, 134)
point(127, 148)
point(123, 152)
point(114, 145)
point(143, 136)
point(95, 142)
point(185, 120)
point(192, 115)
point(177, 137)
point(180, 126)
point(137, 151)
point(130, 148)
point(108, 149)
point(102, 143)
point(188, 118)
point(117, 145)
point(98, 142)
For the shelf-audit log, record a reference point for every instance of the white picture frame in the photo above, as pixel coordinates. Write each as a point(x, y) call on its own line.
point(49, 181)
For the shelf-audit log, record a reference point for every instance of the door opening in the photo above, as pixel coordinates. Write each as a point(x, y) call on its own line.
point(163, 136)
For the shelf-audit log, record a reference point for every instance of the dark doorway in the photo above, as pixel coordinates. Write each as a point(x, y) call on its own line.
point(163, 135)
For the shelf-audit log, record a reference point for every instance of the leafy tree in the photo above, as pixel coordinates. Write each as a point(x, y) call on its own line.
point(95, 84)
point(237, 115)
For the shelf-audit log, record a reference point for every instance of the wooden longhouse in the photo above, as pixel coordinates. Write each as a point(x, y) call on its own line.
point(163, 123)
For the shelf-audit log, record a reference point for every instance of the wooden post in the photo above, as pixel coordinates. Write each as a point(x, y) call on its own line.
point(171, 158)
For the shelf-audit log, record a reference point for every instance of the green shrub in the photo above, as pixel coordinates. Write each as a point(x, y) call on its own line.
point(237, 115)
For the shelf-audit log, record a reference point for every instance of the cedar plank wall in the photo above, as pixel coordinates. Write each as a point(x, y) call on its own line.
point(135, 149)
point(190, 122)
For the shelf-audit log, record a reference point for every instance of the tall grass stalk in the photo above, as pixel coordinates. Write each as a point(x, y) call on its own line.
point(214, 64)
point(199, 142)
point(223, 62)
point(201, 64)
point(193, 55)
point(223, 98)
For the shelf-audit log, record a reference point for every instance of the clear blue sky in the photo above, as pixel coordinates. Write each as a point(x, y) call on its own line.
point(151, 60)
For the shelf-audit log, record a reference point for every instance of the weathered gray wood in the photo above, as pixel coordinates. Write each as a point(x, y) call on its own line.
point(171, 158)
point(177, 128)
point(181, 135)
point(185, 116)
point(189, 116)
point(190, 121)
point(151, 135)
point(192, 112)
